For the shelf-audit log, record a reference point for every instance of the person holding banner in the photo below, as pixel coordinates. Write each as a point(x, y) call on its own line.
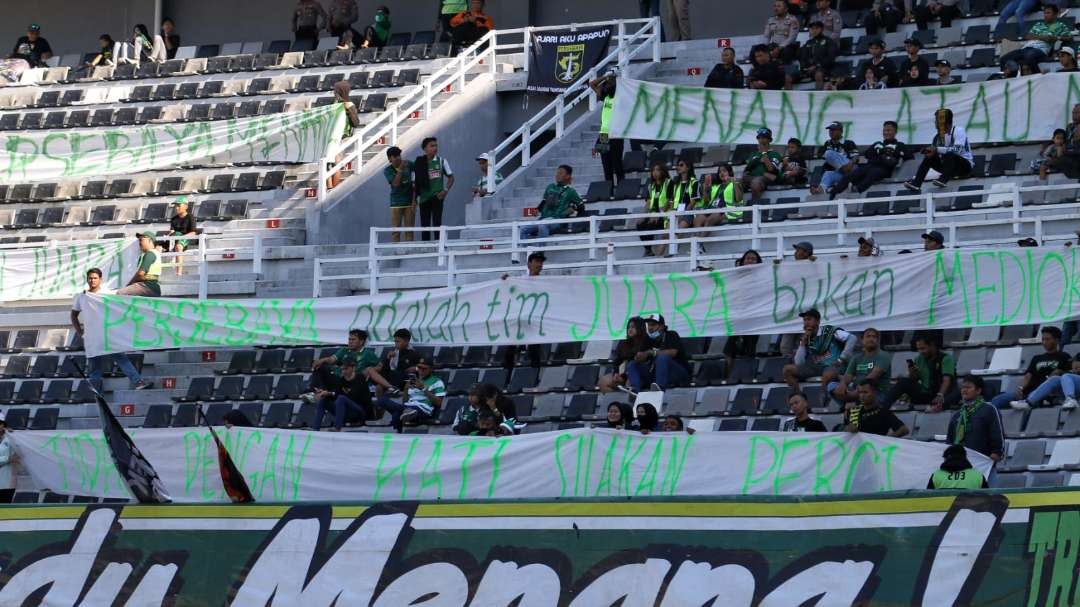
point(949, 154)
point(97, 365)
point(8, 459)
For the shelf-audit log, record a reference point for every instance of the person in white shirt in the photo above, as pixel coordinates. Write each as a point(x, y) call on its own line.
point(97, 365)
point(949, 155)
point(141, 47)
point(8, 459)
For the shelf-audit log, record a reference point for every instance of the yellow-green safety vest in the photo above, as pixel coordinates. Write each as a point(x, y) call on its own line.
point(731, 205)
point(658, 197)
point(605, 115)
point(684, 188)
point(453, 7)
point(960, 479)
point(155, 268)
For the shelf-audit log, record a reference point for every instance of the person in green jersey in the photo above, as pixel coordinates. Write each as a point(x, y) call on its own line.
point(378, 33)
point(956, 472)
point(425, 396)
point(931, 378)
point(870, 364)
point(434, 178)
point(399, 174)
point(148, 270)
point(326, 371)
point(763, 166)
point(560, 201)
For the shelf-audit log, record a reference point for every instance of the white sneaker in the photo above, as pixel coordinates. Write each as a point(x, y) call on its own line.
point(308, 397)
point(655, 387)
point(1020, 404)
point(1070, 403)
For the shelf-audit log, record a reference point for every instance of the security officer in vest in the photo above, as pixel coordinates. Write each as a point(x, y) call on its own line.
point(956, 472)
point(145, 281)
point(609, 150)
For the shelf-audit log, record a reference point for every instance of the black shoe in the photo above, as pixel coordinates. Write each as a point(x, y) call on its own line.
point(939, 183)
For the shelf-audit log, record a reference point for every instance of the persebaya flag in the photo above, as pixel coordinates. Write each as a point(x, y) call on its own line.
point(558, 59)
point(231, 478)
point(136, 471)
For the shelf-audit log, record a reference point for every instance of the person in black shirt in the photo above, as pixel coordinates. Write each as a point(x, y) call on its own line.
point(793, 166)
point(182, 224)
point(665, 363)
point(840, 157)
point(725, 75)
point(818, 55)
point(350, 398)
point(765, 73)
point(32, 48)
point(881, 159)
point(398, 362)
point(1051, 362)
point(171, 38)
point(944, 73)
point(884, 68)
point(626, 352)
point(868, 417)
point(913, 61)
point(802, 422)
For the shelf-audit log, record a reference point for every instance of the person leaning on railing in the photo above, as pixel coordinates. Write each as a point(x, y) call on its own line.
point(352, 121)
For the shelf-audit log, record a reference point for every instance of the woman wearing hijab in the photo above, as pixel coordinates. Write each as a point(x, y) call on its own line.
point(647, 418)
point(619, 416)
point(956, 472)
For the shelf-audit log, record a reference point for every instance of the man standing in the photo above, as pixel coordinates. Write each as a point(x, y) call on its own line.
point(561, 200)
point(1051, 362)
point(400, 360)
point(309, 18)
point(434, 178)
point(665, 362)
point(326, 371)
point(32, 48)
point(823, 351)
point(871, 364)
point(399, 174)
point(470, 26)
point(831, 20)
point(425, 396)
point(931, 378)
point(881, 159)
point(97, 365)
point(8, 459)
point(680, 16)
point(977, 425)
point(348, 399)
point(869, 417)
point(145, 281)
point(802, 422)
point(342, 15)
point(840, 158)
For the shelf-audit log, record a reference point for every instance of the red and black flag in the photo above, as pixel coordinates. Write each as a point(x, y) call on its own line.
point(231, 478)
point(134, 468)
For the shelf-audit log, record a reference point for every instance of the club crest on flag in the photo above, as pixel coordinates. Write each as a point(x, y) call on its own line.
point(568, 59)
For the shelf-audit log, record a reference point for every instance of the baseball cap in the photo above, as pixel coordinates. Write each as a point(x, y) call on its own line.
point(806, 246)
point(1027, 242)
point(1068, 50)
point(33, 27)
point(944, 62)
point(423, 362)
point(935, 236)
point(482, 157)
point(869, 241)
point(811, 313)
point(764, 132)
point(834, 125)
point(181, 200)
point(152, 235)
point(654, 318)
point(914, 41)
point(538, 255)
point(817, 24)
point(876, 42)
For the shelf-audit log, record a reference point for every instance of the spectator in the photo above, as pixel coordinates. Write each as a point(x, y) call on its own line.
point(448, 9)
point(647, 418)
point(309, 18)
point(868, 248)
point(949, 155)
point(884, 68)
point(481, 188)
point(1064, 384)
point(1017, 8)
point(792, 165)
point(664, 364)
point(1028, 69)
point(104, 56)
point(377, 34)
point(868, 416)
point(342, 89)
point(868, 364)
point(398, 362)
point(956, 472)
point(620, 416)
point(236, 417)
point(823, 351)
point(977, 426)
point(466, 420)
point(762, 167)
point(1052, 155)
point(610, 150)
point(1028, 242)
point(326, 371)
point(944, 74)
point(680, 19)
point(399, 174)
point(1041, 39)
point(560, 201)
point(32, 48)
point(782, 30)
point(741, 345)
point(1051, 362)
point(341, 17)
point(765, 73)
point(912, 60)
point(425, 395)
point(1067, 58)
point(883, 14)
point(144, 282)
point(840, 158)
point(1010, 69)
point(504, 408)
point(626, 352)
point(674, 423)
point(725, 75)
point(946, 10)
point(804, 251)
point(870, 81)
point(840, 81)
point(911, 77)
point(933, 241)
point(433, 179)
point(931, 378)
point(686, 195)
point(348, 399)
point(721, 191)
point(97, 365)
point(1070, 162)
point(169, 37)
point(468, 27)
point(141, 48)
point(882, 158)
point(8, 459)
point(182, 224)
point(659, 193)
point(817, 57)
point(831, 20)
point(801, 422)
point(534, 265)
point(651, 8)
point(487, 424)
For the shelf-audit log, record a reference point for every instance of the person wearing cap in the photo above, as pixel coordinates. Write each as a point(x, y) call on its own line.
point(818, 55)
point(914, 61)
point(933, 241)
point(97, 365)
point(1067, 58)
point(883, 67)
point(664, 364)
point(726, 74)
point(946, 10)
point(610, 150)
point(868, 247)
point(32, 48)
point(977, 425)
point(883, 14)
point(481, 188)
point(762, 167)
point(560, 201)
point(804, 251)
point(944, 73)
point(425, 395)
point(823, 350)
point(399, 174)
point(830, 18)
point(949, 154)
point(144, 283)
point(348, 399)
point(840, 157)
point(1041, 39)
point(956, 472)
point(182, 224)
point(765, 72)
point(882, 158)
point(8, 459)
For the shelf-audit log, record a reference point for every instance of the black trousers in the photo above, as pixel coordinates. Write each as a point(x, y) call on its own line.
point(949, 165)
point(887, 18)
point(918, 395)
point(864, 176)
point(430, 217)
point(307, 33)
point(7, 496)
point(649, 224)
point(466, 34)
point(533, 351)
point(612, 160)
point(923, 15)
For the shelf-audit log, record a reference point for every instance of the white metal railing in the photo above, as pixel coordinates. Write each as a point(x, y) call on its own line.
point(444, 253)
point(645, 39)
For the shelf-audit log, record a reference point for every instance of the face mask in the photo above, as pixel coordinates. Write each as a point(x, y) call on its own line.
point(654, 334)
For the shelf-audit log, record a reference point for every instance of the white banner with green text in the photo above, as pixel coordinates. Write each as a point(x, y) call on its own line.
point(926, 290)
point(292, 466)
point(292, 137)
point(58, 272)
point(1016, 109)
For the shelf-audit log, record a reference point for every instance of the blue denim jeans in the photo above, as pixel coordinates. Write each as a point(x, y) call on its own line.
point(540, 230)
point(341, 405)
point(396, 408)
point(665, 372)
point(1018, 8)
point(1065, 384)
point(97, 365)
point(836, 159)
point(1001, 401)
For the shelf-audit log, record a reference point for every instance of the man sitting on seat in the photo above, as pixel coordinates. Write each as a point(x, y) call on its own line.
point(867, 416)
point(327, 371)
point(145, 281)
point(469, 26)
point(348, 399)
point(561, 200)
point(426, 394)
